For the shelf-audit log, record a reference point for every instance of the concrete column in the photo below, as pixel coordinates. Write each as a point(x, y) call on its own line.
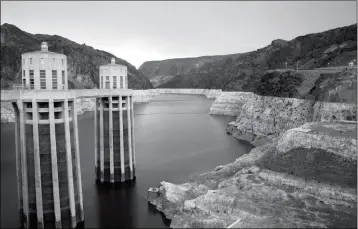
point(95, 136)
point(133, 140)
point(101, 135)
point(78, 161)
point(25, 191)
point(121, 137)
point(111, 159)
point(69, 166)
point(37, 164)
point(55, 186)
point(18, 161)
point(129, 120)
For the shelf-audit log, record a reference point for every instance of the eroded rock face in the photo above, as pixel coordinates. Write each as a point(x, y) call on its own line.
point(264, 118)
point(273, 186)
point(7, 112)
point(230, 103)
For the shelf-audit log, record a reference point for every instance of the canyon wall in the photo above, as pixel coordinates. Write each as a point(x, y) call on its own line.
point(264, 118)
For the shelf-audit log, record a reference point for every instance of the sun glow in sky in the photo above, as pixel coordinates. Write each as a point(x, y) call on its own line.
point(144, 31)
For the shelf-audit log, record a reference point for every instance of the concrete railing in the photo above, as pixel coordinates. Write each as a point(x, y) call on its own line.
point(17, 86)
point(13, 95)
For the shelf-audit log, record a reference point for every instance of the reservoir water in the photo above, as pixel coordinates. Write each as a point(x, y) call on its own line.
point(175, 138)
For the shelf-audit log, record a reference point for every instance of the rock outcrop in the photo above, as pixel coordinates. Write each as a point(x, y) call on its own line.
point(230, 103)
point(305, 178)
point(264, 118)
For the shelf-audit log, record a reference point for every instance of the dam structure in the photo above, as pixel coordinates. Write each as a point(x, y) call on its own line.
point(47, 143)
point(47, 150)
point(114, 134)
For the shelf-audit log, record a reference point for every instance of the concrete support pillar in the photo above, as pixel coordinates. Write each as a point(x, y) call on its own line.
point(54, 166)
point(121, 138)
point(110, 129)
point(78, 161)
point(129, 117)
point(116, 134)
point(101, 139)
point(23, 158)
point(133, 138)
point(18, 160)
point(69, 166)
point(38, 187)
point(48, 163)
point(95, 136)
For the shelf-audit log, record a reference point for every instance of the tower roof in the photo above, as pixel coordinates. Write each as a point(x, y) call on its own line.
point(44, 50)
point(113, 63)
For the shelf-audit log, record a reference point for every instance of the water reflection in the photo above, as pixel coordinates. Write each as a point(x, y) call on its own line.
point(154, 212)
point(116, 204)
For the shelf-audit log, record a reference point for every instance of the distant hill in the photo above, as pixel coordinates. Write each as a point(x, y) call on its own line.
point(83, 61)
point(243, 72)
point(160, 72)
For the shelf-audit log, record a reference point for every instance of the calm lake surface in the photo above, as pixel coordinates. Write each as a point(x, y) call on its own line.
point(175, 138)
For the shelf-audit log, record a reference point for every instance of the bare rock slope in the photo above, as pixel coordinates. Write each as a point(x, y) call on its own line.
point(305, 178)
point(264, 118)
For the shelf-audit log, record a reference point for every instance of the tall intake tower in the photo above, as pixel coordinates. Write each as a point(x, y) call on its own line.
point(47, 153)
point(114, 132)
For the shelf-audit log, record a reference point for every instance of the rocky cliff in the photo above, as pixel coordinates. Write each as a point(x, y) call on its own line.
point(83, 61)
point(244, 72)
point(264, 118)
point(305, 178)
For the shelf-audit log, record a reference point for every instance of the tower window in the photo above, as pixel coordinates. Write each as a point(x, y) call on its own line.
point(63, 77)
point(54, 79)
point(23, 72)
point(42, 60)
point(114, 82)
point(54, 60)
point(107, 77)
point(30, 60)
point(62, 62)
point(32, 81)
point(42, 79)
point(101, 84)
point(121, 82)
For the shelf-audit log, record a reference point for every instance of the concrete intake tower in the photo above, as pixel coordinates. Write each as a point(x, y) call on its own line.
point(114, 132)
point(47, 146)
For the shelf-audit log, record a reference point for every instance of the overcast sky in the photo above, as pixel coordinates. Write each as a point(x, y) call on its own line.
point(142, 31)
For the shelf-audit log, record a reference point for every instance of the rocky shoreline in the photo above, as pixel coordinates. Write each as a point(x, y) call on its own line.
point(286, 183)
point(301, 174)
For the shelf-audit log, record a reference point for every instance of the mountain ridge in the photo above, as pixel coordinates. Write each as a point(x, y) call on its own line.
point(83, 60)
point(243, 73)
